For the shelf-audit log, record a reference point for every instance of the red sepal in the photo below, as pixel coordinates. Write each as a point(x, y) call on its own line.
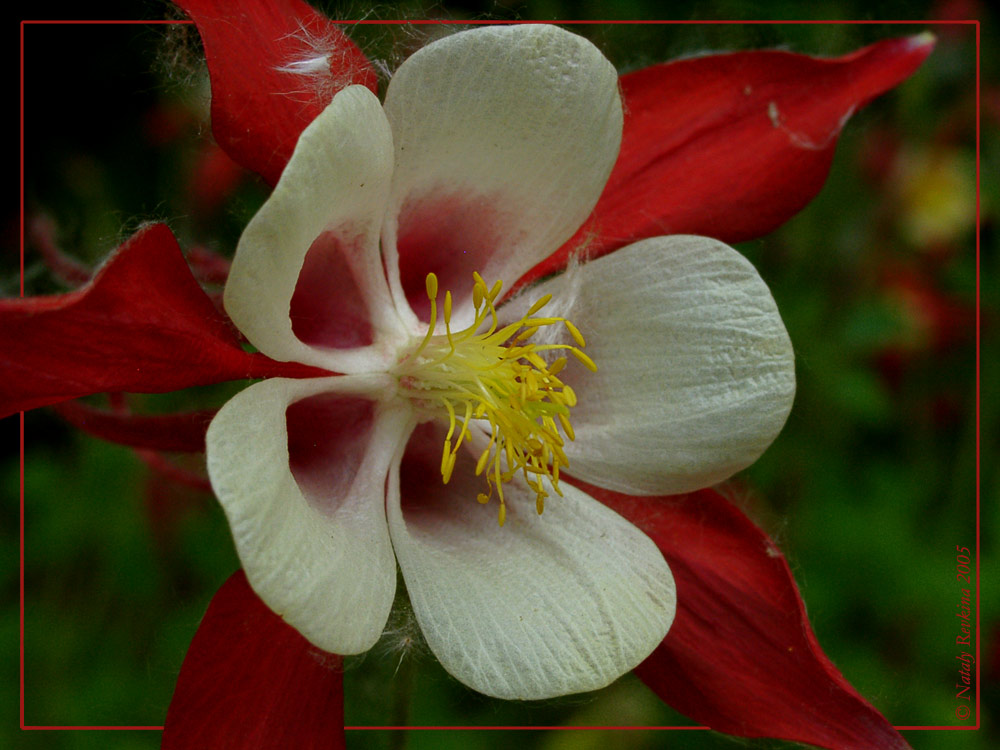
point(740, 656)
point(142, 324)
point(159, 432)
point(269, 76)
point(249, 680)
point(208, 266)
point(731, 146)
point(168, 469)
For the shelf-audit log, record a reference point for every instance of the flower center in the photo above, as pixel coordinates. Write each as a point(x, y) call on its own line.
point(496, 376)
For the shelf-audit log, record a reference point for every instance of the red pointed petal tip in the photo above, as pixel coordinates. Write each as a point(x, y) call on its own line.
point(731, 146)
point(249, 680)
point(274, 65)
point(740, 656)
point(142, 324)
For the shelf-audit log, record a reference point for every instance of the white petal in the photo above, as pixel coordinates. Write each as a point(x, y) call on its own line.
point(317, 552)
point(504, 137)
point(695, 372)
point(333, 189)
point(546, 605)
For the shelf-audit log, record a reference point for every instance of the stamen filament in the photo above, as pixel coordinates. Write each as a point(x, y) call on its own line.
point(499, 377)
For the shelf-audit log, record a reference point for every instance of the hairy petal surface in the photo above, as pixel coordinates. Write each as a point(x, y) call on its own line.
point(504, 137)
point(274, 65)
point(731, 146)
point(249, 680)
point(322, 221)
point(546, 605)
point(142, 324)
point(741, 656)
point(695, 371)
point(303, 489)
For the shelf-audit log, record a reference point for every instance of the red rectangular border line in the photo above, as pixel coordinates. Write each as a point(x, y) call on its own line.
point(975, 23)
point(515, 727)
point(90, 728)
point(513, 22)
point(978, 475)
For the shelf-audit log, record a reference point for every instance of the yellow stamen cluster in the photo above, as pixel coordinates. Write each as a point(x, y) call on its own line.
point(496, 375)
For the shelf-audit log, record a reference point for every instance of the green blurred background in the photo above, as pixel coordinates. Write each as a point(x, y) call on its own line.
point(868, 490)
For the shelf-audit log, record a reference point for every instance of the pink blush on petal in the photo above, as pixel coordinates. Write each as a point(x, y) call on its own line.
point(328, 309)
point(420, 474)
point(327, 438)
point(447, 510)
point(450, 235)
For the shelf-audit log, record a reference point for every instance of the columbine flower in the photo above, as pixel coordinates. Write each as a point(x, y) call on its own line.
point(730, 145)
point(383, 254)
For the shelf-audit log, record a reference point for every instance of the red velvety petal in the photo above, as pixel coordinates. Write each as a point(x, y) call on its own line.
point(215, 177)
point(208, 266)
point(172, 471)
point(274, 65)
point(731, 146)
point(161, 432)
point(141, 325)
point(740, 656)
point(249, 680)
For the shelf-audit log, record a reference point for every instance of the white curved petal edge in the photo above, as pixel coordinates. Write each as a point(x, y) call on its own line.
point(547, 605)
point(696, 373)
point(336, 181)
point(517, 127)
point(326, 566)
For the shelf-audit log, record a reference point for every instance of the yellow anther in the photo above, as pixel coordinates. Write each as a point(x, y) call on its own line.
point(495, 377)
point(559, 455)
point(481, 463)
point(584, 359)
point(567, 427)
point(449, 468)
point(536, 360)
point(569, 396)
point(526, 334)
point(445, 456)
point(541, 321)
point(538, 305)
point(531, 381)
point(575, 333)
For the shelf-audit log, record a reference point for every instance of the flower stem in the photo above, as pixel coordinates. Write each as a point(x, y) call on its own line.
point(401, 696)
